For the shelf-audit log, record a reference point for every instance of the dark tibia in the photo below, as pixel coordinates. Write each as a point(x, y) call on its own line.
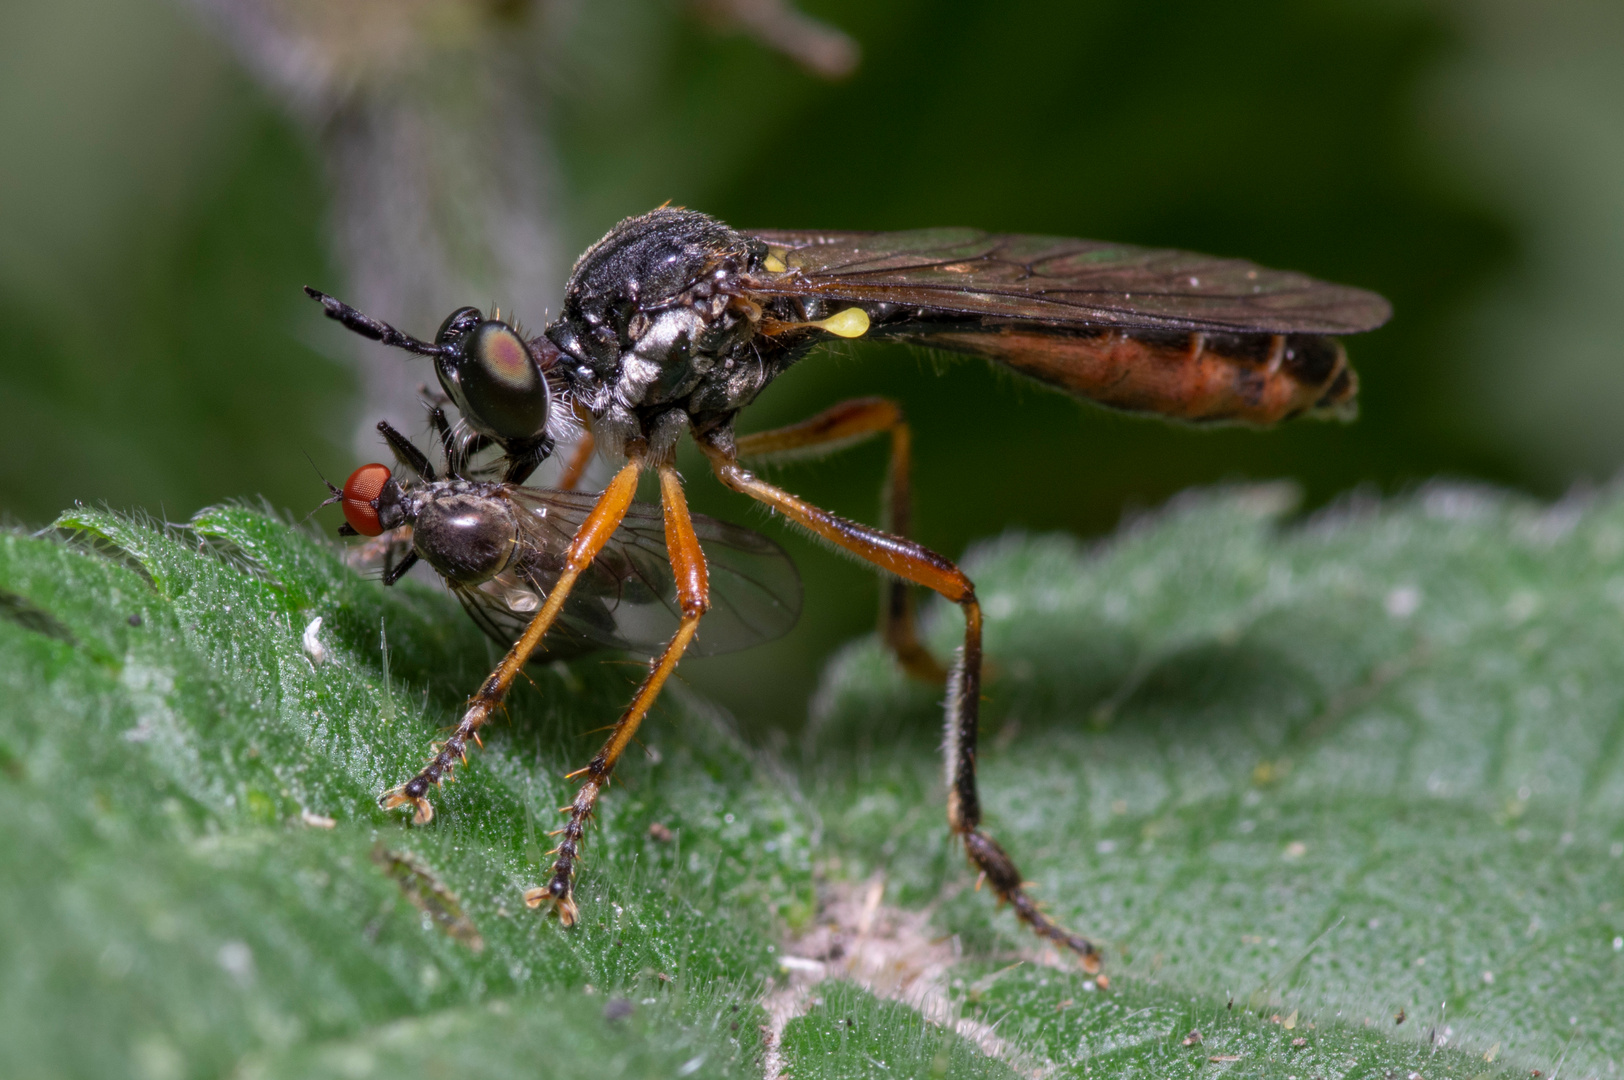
point(448, 441)
point(392, 574)
point(405, 452)
point(964, 800)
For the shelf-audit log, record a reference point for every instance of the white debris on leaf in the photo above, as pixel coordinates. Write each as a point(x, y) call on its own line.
point(892, 953)
point(802, 964)
point(313, 647)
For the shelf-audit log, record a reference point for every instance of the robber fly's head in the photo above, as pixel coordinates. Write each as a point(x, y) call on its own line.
point(465, 533)
point(496, 378)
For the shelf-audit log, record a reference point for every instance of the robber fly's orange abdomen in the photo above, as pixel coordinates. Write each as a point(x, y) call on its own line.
point(1255, 379)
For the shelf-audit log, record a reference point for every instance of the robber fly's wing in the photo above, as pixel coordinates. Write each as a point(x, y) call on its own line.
point(1005, 276)
point(627, 598)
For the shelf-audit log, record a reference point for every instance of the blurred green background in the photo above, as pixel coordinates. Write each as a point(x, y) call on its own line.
point(160, 206)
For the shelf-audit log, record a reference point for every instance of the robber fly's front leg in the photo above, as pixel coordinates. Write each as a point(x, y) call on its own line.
point(590, 538)
point(693, 593)
point(917, 563)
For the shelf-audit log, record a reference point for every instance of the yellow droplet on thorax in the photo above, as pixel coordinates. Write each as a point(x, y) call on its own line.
point(851, 323)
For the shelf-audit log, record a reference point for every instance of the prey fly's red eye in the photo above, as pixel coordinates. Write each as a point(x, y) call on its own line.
point(359, 492)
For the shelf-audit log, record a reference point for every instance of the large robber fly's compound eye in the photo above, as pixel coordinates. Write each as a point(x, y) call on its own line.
point(467, 538)
point(361, 496)
point(495, 381)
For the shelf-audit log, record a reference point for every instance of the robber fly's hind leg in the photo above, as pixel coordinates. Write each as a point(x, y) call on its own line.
point(920, 565)
point(834, 429)
point(590, 538)
point(693, 593)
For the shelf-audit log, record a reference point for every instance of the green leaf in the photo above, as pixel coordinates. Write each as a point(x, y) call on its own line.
point(202, 880)
point(1367, 767)
point(1297, 781)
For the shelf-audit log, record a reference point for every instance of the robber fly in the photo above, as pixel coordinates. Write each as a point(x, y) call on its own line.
point(675, 322)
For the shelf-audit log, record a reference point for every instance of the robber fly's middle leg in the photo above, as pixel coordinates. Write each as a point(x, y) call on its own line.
point(594, 532)
point(580, 458)
point(693, 594)
point(836, 428)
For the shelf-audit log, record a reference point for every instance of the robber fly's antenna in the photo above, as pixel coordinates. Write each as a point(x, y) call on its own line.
point(368, 327)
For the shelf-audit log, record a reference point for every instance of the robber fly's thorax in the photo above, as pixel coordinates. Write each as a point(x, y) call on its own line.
point(658, 331)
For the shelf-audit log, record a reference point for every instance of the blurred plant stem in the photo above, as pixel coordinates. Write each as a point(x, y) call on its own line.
point(818, 47)
point(443, 182)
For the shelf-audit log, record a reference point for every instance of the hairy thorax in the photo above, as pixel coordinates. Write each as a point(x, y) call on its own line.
point(658, 333)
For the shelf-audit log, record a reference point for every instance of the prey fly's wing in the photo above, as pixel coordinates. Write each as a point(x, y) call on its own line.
point(627, 599)
point(927, 273)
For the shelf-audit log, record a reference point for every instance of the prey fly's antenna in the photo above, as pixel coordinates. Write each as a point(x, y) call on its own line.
point(336, 496)
point(368, 327)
